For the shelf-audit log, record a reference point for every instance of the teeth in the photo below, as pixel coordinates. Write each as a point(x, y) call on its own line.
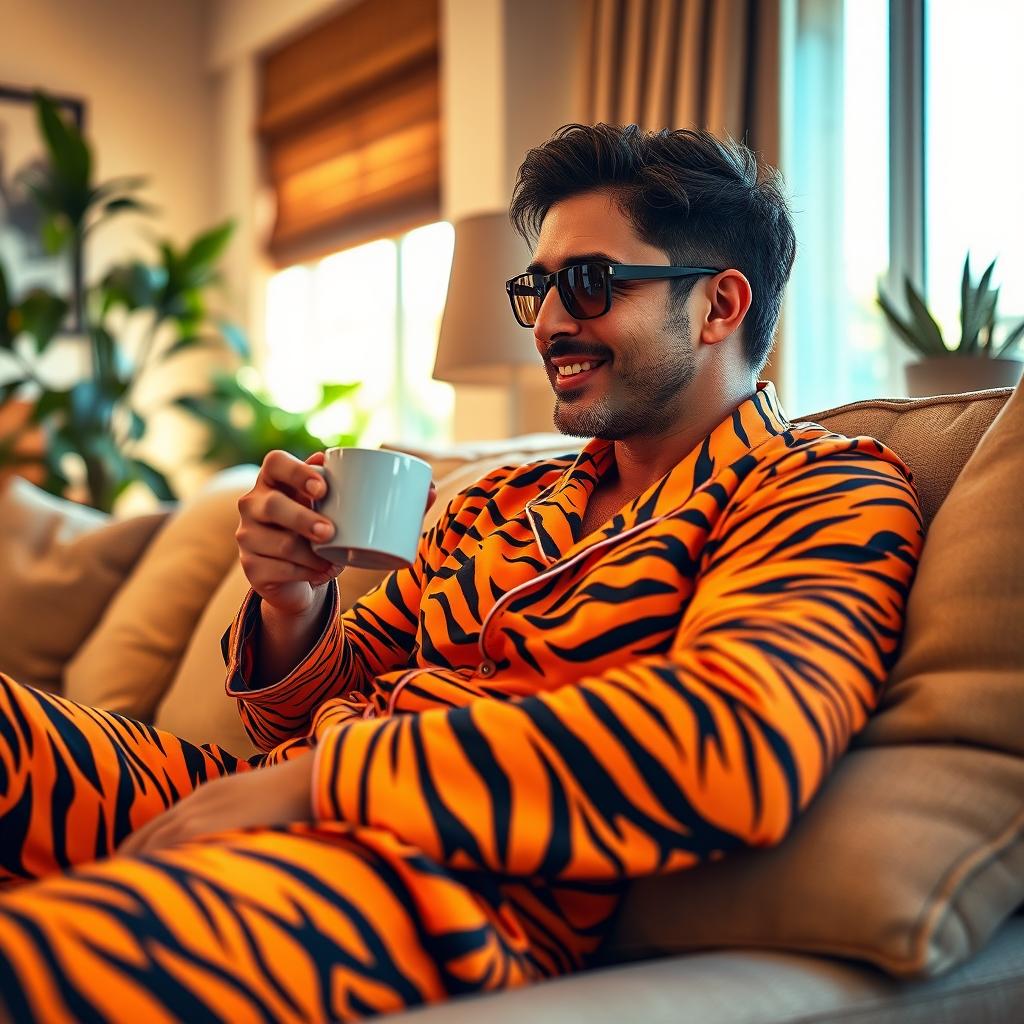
point(570, 371)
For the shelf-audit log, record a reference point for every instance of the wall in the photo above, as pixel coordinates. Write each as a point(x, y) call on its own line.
point(139, 66)
point(511, 76)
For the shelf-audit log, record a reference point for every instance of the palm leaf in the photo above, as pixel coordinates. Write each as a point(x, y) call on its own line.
point(926, 327)
point(1010, 340)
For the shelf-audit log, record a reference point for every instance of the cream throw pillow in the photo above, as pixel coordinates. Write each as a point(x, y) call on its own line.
point(61, 563)
point(913, 853)
point(129, 661)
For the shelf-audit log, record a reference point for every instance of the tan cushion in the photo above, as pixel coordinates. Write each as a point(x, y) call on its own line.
point(960, 676)
point(934, 436)
point(913, 854)
point(61, 563)
point(130, 659)
point(196, 707)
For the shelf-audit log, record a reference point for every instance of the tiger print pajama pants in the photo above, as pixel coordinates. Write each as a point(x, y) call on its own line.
point(324, 921)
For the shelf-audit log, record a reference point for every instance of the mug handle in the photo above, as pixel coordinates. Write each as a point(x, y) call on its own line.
point(322, 473)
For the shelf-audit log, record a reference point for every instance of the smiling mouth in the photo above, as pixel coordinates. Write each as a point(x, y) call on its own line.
point(576, 374)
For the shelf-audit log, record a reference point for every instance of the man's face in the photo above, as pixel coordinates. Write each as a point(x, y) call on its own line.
point(642, 345)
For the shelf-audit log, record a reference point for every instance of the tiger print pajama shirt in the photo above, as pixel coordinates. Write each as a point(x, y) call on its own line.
point(501, 737)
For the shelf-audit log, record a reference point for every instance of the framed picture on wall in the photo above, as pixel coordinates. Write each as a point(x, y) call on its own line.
point(26, 262)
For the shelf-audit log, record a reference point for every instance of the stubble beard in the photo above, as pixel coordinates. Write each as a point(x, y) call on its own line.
point(643, 397)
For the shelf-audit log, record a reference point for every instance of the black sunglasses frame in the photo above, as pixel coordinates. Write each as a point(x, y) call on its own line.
point(613, 272)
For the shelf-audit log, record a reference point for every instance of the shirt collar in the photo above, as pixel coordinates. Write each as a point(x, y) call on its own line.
point(557, 513)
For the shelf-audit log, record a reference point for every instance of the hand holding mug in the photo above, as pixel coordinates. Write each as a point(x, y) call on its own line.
point(290, 549)
point(277, 529)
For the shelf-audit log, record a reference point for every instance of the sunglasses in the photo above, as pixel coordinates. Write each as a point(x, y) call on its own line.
point(584, 288)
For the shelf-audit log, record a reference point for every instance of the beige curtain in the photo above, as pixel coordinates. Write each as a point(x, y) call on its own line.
point(710, 64)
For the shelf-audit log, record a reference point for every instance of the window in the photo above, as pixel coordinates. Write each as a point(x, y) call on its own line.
point(368, 314)
point(837, 172)
point(974, 150)
point(895, 173)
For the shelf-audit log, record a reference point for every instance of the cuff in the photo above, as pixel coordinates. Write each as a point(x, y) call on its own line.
point(240, 644)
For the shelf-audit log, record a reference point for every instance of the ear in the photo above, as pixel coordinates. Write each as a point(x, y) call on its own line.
point(726, 299)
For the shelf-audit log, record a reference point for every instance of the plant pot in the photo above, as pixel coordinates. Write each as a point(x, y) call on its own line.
point(951, 375)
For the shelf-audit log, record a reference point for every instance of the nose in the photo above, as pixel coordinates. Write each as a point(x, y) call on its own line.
point(553, 321)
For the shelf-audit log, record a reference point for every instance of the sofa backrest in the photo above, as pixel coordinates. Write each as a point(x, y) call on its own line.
point(934, 436)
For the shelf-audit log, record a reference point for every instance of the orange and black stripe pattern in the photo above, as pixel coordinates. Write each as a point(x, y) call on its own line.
point(508, 731)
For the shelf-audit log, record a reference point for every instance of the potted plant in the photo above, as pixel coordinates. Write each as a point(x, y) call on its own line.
point(83, 440)
point(977, 361)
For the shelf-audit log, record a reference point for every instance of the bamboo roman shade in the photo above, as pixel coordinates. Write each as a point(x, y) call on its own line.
point(350, 124)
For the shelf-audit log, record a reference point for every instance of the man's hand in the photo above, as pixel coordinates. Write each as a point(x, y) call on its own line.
point(276, 795)
point(277, 529)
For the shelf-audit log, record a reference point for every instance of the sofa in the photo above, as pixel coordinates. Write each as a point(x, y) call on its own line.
point(897, 896)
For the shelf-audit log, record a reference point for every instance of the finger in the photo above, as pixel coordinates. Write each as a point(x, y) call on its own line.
point(282, 470)
point(277, 509)
point(274, 542)
point(431, 496)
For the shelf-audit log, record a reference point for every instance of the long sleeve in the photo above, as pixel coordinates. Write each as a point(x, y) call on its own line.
point(680, 756)
point(376, 635)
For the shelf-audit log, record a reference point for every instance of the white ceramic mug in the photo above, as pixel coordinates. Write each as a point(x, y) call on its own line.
point(376, 500)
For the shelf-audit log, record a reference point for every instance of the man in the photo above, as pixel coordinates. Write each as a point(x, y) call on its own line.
point(617, 663)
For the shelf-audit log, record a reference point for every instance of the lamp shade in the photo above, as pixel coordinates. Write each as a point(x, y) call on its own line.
point(480, 341)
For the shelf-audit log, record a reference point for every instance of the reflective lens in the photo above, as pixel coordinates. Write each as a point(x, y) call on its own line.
point(527, 293)
point(584, 290)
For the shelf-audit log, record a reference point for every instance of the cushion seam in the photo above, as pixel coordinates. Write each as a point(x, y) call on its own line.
point(939, 903)
point(909, 404)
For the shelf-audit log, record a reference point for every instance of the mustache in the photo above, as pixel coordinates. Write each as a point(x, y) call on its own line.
point(559, 349)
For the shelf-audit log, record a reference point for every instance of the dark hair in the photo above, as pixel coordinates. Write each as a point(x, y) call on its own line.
point(705, 201)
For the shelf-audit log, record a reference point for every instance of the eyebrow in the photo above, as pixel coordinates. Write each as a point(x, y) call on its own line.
point(537, 267)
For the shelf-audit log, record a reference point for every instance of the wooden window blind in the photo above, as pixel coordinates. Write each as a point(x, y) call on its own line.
point(351, 128)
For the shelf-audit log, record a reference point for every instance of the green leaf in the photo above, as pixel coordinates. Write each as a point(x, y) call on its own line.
point(127, 204)
point(207, 248)
point(8, 388)
point(136, 425)
point(901, 327)
point(51, 402)
point(1010, 340)
point(148, 474)
point(58, 232)
point(235, 337)
point(331, 393)
point(924, 323)
point(41, 316)
point(68, 150)
point(6, 331)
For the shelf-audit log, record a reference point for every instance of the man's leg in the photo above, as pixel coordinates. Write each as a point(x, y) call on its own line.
point(75, 781)
point(303, 923)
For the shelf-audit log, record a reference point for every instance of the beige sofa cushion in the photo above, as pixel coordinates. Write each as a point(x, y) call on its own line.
point(934, 436)
point(61, 564)
point(130, 659)
point(960, 676)
point(913, 854)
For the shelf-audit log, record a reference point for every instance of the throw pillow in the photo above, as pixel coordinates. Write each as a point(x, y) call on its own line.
point(913, 854)
point(129, 661)
point(62, 563)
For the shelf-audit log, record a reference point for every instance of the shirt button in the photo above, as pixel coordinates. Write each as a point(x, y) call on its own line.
point(487, 667)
